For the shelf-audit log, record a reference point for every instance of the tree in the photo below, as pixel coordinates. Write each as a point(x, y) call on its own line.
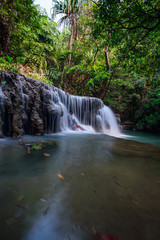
point(29, 45)
point(129, 23)
point(70, 10)
point(13, 12)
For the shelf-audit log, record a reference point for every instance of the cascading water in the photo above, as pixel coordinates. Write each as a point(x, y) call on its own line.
point(31, 107)
point(90, 112)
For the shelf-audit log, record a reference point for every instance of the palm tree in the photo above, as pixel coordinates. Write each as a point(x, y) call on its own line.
point(69, 10)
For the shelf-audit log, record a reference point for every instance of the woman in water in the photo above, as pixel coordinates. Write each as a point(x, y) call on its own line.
point(72, 122)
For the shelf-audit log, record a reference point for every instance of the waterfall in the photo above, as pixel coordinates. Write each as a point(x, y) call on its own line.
point(31, 107)
point(90, 112)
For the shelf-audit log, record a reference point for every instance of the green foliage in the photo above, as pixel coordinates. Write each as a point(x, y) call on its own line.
point(10, 63)
point(148, 114)
point(32, 40)
point(36, 146)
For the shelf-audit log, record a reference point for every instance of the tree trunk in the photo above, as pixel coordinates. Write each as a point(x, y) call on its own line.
point(95, 56)
point(107, 58)
point(72, 22)
point(4, 36)
point(70, 46)
point(105, 86)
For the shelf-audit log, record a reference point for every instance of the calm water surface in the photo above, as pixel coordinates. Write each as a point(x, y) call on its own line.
point(109, 185)
point(145, 137)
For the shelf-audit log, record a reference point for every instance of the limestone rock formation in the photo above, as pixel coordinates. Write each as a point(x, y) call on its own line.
point(26, 106)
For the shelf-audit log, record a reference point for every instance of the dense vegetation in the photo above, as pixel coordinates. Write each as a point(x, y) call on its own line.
point(107, 49)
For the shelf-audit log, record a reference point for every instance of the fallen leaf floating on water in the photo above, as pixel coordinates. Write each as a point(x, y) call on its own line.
point(60, 176)
point(46, 154)
point(82, 174)
point(102, 236)
point(43, 200)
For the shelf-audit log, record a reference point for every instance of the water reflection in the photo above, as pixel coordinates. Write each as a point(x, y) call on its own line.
point(110, 185)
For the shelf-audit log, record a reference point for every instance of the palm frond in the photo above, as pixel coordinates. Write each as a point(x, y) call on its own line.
point(63, 20)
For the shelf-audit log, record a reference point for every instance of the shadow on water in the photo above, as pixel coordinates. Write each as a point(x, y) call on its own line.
point(105, 184)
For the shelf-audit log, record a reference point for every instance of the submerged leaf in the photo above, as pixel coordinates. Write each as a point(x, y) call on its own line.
point(20, 198)
point(46, 154)
point(60, 176)
point(43, 200)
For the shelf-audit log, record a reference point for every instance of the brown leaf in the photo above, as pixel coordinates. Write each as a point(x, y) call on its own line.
point(46, 154)
point(43, 200)
point(60, 176)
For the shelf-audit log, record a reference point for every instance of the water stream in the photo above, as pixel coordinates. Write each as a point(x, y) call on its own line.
point(106, 184)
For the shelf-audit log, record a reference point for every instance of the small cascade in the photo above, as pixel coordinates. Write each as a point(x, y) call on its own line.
point(108, 124)
point(90, 112)
point(84, 108)
point(31, 107)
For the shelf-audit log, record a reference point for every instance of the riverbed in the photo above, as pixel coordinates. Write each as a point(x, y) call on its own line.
point(79, 184)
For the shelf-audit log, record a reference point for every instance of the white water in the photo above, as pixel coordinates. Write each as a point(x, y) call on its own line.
point(1, 98)
point(87, 114)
